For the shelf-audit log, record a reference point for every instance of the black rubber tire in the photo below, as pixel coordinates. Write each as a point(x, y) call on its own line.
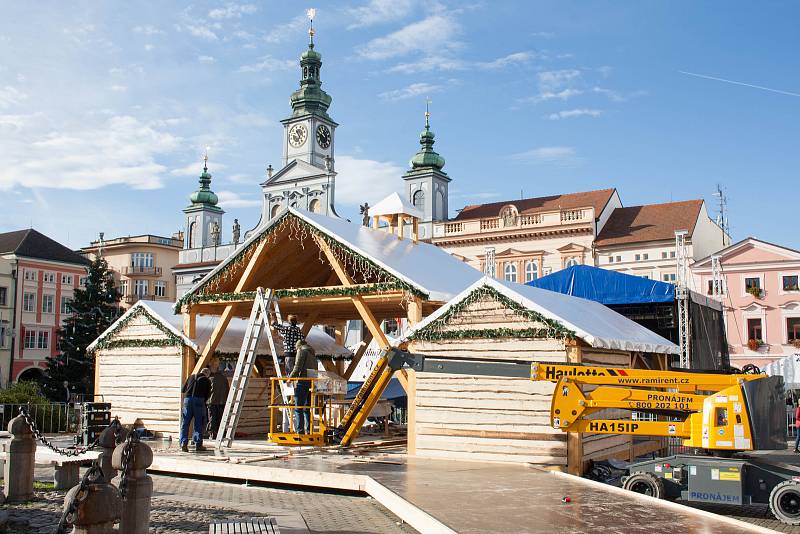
point(784, 502)
point(646, 484)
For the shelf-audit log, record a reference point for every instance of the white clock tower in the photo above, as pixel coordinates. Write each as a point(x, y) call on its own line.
point(307, 178)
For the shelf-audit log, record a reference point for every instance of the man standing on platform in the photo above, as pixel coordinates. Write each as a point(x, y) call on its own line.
point(291, 334)
point(216, 402)
point(197, 389)
point(305, 362)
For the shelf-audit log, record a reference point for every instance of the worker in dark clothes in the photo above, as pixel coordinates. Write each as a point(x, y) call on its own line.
point(305, 362)
point(291, 334)
point(216, 402)
point(197, 389)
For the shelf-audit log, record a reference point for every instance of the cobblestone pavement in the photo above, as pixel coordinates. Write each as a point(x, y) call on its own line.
point(755, 514)
point(183, 505)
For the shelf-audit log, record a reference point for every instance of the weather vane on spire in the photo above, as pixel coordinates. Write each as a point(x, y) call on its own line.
point(427, 112)
point(310, 13)
point(205, 159)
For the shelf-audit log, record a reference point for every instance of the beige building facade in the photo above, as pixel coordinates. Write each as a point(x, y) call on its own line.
point(142, 266)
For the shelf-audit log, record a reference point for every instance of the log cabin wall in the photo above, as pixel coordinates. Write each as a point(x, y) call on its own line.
point(144, 384)
point(496, 418)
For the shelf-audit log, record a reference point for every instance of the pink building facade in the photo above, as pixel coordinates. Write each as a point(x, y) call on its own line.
point(761, 296)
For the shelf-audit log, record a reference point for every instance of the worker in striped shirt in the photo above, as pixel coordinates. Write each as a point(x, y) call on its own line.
point(291, 334)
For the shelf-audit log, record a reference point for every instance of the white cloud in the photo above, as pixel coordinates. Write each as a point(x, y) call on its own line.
point(198, 29)
point(415, 89)
point(118, 88)
point(147, 30)
point(148, 47)
point(556, 80)
point(121, 150)
point(10, 96)
point(433, 34)
point(361, 180)
point(379, 12)
point(230, 199)
point(572, 113)
point(448, 63)
point(543, 35)
point(285, 31)
point(505, 61)
point(610, 93)
point(205, 59)
point(562, 155)
point(232, 11)
point(268, 63)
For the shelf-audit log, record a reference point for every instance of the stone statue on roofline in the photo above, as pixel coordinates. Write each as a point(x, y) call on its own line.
point(215, 234)
point(236, 232)
point(364, 211)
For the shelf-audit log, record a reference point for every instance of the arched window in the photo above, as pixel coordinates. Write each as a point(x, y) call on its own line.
point(571, 262)
point(510, 272)
point(531, 271)
point(275, 209)
point(418, 199)
point(294, 204)
point(190, 234)
point(440, 211)
point(315, 206)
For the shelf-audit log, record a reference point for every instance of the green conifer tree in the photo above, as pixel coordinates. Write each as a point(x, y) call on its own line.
point(94, 307)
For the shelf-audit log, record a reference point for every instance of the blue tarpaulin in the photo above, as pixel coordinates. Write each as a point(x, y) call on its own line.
point(393, 391)
point(606, 287)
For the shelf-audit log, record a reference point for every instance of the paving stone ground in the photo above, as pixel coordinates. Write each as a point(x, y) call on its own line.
point(182, 505)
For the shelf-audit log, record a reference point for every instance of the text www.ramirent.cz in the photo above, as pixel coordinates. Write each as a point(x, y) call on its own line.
point(647, 381)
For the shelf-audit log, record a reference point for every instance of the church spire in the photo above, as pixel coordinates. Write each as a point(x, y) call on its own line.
point(427, 157)
point(310, 98)
point(204, 196)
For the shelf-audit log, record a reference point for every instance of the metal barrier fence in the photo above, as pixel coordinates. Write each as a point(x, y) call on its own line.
point(791, 430)
point(49, 418)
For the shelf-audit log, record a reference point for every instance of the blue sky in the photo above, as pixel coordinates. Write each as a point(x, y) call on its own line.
point(105, 107)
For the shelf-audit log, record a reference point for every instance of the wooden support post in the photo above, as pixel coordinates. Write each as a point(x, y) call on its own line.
point(308, 323)
point(411, 422)
point(414, 311)
point(190, 331)
point(574, 439)
point(219, 329)
point(357, 356)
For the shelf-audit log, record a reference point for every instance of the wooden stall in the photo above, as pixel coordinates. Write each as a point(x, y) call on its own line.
point(508, 419)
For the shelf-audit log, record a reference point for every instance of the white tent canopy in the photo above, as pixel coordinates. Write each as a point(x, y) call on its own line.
point(323, 344)
point(594, 323)
point(788, 368)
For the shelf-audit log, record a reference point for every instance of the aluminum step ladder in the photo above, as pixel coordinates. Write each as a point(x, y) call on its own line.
point(259, 321)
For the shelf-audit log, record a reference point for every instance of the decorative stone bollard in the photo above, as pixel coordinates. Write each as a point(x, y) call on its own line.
point(138, 486)
point(106, 441)
point(20, 459)
point(98, 511)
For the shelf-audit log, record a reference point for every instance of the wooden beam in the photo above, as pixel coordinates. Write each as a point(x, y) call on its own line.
point(308, 323)
point(190, 331)
point(227, 313)
point(574, 439)
point(363, 310)
point(414, 311)
point(411, 423)
point(357, 356)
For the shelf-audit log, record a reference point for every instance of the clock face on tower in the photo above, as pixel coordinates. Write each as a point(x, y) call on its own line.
point(323, 136)
point(297, 135)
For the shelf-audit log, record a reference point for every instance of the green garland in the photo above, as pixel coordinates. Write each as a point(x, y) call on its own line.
point(333, 291)
point(139, 343)
point(369, 266)
point(435, 330)
point(172, 339)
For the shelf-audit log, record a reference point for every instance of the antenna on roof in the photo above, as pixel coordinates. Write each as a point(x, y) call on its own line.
point(722, 216)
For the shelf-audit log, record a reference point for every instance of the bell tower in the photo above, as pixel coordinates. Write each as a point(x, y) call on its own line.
point(426, 182)
point(203, 221)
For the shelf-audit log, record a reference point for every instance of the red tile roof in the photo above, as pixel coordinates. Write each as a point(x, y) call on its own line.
point(32, 244)
point(597, 199)
point(651, 222)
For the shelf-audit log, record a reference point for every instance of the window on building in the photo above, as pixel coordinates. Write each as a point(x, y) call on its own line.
point(531, 271)
point(65, 307)
point(720, 286)
point(664, 255)
point(29, 302)
point(645, 256)
point(668, 277)
point(754, 330)
point(140, 288)
point(510, 272)
point(792, 329)
point(66, 279)
point(391, 327)
point(47, 303)
point(30, 339)
point(3, 296)
point(647, 276)
point(790, 283)
point(123, 287)
point(418, 199)
point(160, 289)
point(611, 259)
point(30, 275)
point(571, 262)
point(142, 260)
point(490, 269)
point(43, 341)
point(619, 259)
point(49, 278)
point(752, 284)
point(3, 334)
point(637, 257)
point(672, 254)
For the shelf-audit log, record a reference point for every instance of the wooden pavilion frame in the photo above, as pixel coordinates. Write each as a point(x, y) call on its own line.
point(316, 276)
